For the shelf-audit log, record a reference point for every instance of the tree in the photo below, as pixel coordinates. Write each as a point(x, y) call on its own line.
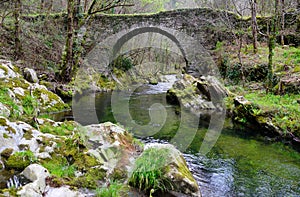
point(17, 29)
point(75, 20)
point(282, 13)
point(253, 4)
point(271, 45)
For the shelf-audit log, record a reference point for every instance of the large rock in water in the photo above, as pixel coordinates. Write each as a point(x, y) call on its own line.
point(205, 93)
point(165, 158)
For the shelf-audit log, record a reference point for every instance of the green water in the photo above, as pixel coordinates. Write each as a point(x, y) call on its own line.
point(240, 164)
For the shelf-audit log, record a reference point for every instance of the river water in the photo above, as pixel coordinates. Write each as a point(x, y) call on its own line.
point(240, 163)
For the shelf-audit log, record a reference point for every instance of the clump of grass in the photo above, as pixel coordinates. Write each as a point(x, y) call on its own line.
point(60, 168)
point(64, 129)
point(6, 100)
point(114, 190)
point(148, 173)
point(29, 104)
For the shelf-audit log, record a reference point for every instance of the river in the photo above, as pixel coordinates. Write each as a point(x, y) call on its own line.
point(240, 164)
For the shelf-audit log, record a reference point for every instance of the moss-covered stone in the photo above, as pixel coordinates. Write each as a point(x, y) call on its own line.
point(19, 161)
point(7, 152)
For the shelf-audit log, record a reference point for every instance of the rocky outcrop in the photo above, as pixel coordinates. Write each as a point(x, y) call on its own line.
point(23, 97)
point(255, 119)
point(97, 153)
point(20, 136)
point(289, 85)
point(198, 95)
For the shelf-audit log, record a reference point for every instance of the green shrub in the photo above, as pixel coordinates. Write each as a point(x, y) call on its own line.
point(149, 171)
point(122, 63)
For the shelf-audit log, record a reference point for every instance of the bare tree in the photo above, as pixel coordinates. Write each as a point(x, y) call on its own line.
point(73, 46)
point(253, 4)
point(17, 29)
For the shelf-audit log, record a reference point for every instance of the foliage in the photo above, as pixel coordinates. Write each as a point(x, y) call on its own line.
point(149, 169)
point(114, 190)
point(29, 104)
point(7, 100)
point(122, 63)
point(63, 129)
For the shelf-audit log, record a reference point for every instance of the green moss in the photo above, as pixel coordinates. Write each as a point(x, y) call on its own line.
point(20, 160)
point(66, 128)
point(5, 135)
point(91, 179)
point(7, 152)
point(4, 69)
point(28, 135)
point(59, 166)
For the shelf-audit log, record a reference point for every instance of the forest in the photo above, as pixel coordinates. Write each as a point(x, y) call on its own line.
point(149, 98)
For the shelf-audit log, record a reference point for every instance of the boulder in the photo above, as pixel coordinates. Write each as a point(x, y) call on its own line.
point(176, 177)
point(4, 111)
point(7, 70)
point(37, 174)
point(113, 146)
point(30, 75)
point(289, 85)
point(20, 136)
point(250, 115)
point(205, 93)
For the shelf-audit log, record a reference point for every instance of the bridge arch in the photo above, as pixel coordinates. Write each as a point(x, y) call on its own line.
point(198, 61)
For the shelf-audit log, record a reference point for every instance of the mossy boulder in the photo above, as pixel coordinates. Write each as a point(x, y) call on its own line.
point(205, 93)
point(162, 169)
point(266, 121)
point(112, 145)
point(289, 84)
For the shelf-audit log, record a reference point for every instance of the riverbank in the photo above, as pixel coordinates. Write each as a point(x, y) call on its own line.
point(41, 157)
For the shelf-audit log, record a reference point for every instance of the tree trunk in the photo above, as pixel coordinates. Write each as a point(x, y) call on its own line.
point(17, 30)
point(271, 45)
point(282, 22)
point(298, 18)
point(67, 59)
point(254, 24)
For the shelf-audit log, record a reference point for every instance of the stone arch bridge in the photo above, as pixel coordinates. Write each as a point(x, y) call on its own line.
point(193, 31)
